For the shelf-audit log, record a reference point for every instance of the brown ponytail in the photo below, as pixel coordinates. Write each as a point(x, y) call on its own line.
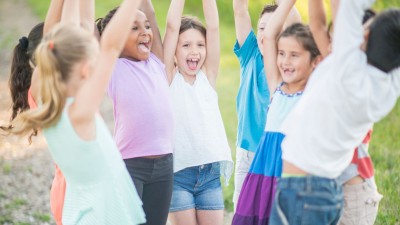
point(21, 70)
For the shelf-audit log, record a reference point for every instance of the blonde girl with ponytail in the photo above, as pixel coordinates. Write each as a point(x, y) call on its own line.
point(72, 73)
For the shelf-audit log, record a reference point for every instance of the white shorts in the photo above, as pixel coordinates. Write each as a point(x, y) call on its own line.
point(361, 203)
point(244, 159)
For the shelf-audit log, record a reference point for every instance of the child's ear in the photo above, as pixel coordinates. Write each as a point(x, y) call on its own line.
point(366, 37)
point(85, 70)
point(316, 61)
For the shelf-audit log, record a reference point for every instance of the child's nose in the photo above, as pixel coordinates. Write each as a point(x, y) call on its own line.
point(193, 50)
point(144, 31)
point(286, 60)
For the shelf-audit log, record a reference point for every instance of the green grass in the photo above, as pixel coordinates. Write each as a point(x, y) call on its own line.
point(6, 219)
point(385, 146)
point(6, 168)
point(23, 223)
point(15, 204)
point(2, 195)
point(42, 217)
point(385, 152)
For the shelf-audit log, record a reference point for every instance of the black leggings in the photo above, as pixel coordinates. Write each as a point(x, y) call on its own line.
point(153, 179)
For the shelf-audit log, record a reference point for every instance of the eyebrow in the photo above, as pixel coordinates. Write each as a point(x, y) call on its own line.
point(279, 50)
point(146, 21)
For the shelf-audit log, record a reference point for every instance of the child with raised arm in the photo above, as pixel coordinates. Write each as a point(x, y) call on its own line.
point(253, 94)
point(21, 91)
point(359, 187)
point(201, 150)
point(72, 75)
point(348, 92)
point(288, 64)
point(143, 114)
point(54, 14)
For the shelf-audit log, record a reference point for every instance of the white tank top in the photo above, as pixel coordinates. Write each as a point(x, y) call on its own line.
point(200, 136)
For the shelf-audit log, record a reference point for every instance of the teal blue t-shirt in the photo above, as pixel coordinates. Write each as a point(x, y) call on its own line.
point(253, 95)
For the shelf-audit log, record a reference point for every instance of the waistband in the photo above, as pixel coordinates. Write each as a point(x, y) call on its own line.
point(161, 159)
point(357, 187)
point(309, 183)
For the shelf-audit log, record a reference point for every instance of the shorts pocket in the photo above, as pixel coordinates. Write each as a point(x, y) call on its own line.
point(320, 214)
point(371, 207)
point(321, 211)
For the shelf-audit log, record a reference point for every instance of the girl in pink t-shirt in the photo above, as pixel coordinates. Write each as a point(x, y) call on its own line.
point(143, 115)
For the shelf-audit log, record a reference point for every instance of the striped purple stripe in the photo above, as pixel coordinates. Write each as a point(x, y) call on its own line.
point(255, 201)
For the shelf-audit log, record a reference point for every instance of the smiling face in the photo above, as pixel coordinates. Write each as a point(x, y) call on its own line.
point(138, 45)
point(190, 52)
point(294, 62)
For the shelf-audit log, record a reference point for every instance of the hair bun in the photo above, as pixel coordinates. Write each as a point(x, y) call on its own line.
point(24, 43)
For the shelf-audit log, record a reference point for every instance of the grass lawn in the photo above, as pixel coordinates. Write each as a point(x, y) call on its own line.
point(385, 145)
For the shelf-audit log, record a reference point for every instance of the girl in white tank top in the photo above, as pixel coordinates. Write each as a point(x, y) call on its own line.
point(201, 150)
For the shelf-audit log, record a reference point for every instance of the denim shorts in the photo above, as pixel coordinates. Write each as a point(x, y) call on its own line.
point(197, 187)
point(306, 201)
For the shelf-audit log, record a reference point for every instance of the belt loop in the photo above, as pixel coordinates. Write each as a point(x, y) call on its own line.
point(308, 183)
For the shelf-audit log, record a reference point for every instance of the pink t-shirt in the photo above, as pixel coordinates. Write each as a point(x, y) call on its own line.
point(142, 109)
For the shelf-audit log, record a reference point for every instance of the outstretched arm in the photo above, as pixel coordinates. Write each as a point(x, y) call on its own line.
point(318, 25)
point(156, 47)
point(53, 15)
point(270, 48)
point(113, 39)
point(212, 40)
point(86, 10)
point(171, 35)
point(348, 34)
point(242, 20)
point(293, 17)
point(70, 12)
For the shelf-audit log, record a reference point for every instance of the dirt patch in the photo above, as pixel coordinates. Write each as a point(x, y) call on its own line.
point(26, 171)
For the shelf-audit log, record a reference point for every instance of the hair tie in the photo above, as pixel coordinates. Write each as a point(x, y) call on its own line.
point(51, 45)
point(24, 43)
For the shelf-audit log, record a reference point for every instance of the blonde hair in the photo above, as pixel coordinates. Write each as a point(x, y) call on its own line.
point(60, 50)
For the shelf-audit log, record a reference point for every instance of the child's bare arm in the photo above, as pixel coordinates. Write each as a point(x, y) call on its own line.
point(242, 20)
point(270, 48)
point(86, 10)
point(171, 35)
point(293, 17)
point(318, 25)
point(53, 15)
point(156, 47)
point(212, 40)
point(70, 12)
point(113, 39)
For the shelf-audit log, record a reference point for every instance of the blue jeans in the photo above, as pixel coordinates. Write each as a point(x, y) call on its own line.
point(197, 187)
point(307, 200)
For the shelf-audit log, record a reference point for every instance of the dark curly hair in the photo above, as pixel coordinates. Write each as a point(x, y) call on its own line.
point(21, 69)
